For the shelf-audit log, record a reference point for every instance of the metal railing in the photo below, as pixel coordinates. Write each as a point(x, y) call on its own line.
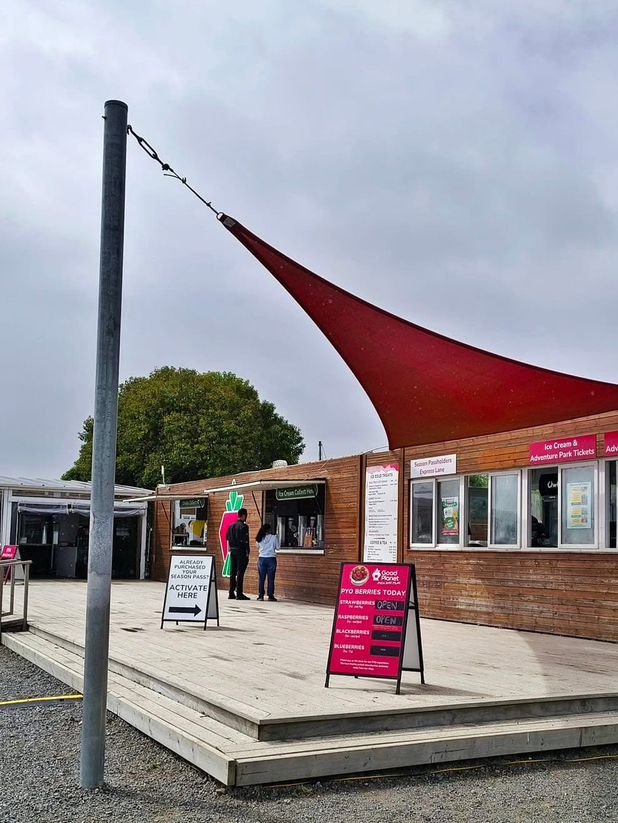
point(12, 566)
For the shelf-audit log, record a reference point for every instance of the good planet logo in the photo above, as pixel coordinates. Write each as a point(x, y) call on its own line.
point(389, 576)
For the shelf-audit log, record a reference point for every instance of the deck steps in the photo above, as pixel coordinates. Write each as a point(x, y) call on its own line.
point(197, 738)
point(198, 730)
point(263, 726)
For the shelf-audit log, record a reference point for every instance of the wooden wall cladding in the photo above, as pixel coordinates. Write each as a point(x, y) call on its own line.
point(510, 450)
point(567, 593)
point(555, 592)
point(305, 577)
point(162, 538)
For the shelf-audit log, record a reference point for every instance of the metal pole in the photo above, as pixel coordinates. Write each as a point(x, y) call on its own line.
point(104, 446)
point(26, 572)
point(13, 576)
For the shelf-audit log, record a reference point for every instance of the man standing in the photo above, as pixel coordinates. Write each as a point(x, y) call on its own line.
point(238, 547)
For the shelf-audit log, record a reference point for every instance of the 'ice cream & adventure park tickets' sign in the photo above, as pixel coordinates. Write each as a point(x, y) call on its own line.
point(376, 627)
point(564, 450)
point(191, 591)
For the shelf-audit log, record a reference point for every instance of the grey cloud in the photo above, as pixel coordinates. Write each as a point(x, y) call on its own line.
point(452, 164)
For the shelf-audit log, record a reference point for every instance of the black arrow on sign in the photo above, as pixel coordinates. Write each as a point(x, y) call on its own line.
point(195, 610)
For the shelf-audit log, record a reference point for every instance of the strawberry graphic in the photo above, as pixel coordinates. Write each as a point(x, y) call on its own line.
point(230, 515)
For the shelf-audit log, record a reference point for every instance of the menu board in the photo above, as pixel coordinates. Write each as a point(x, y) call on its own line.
point(381, 505)
point(579, 500)
point(370, 626)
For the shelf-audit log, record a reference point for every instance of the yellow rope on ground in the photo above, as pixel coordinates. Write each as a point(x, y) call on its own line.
point(40, 699)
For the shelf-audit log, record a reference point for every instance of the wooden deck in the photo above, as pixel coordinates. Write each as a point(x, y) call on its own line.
point(246, 701)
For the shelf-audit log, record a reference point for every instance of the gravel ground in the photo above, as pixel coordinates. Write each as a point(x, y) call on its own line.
point(39, 756)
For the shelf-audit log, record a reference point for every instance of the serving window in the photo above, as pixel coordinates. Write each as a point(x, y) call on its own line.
point(421, 513)
point(296, 514)
point(562, 506)
point(448, 511)
point(567, 506)
point(190, 523)
point(476, 511)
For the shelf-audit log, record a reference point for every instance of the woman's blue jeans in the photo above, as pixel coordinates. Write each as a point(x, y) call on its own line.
point(267, 568)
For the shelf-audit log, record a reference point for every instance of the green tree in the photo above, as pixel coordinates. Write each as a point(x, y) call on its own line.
point(195, 424)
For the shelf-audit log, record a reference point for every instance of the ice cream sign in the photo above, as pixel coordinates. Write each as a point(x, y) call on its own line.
point(564, 450)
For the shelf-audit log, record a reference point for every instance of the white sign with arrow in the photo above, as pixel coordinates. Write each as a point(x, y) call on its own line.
point(191, 592)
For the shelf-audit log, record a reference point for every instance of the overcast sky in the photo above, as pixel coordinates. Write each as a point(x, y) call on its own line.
point(455, 163)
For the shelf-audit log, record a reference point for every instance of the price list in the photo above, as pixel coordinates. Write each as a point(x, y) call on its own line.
point(370, 621)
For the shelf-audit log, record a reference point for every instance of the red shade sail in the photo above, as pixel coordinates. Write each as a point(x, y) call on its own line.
point(426, 387)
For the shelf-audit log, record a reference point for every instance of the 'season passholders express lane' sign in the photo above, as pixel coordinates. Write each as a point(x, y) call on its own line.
point(376, 628)
point(433, 466)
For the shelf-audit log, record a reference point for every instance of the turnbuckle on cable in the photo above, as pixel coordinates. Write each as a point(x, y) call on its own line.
point(167, 170)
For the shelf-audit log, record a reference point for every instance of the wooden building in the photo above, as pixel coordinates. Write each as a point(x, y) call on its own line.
point(515, 529)
point(303, 573)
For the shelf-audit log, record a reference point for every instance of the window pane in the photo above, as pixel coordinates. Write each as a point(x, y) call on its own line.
point(422, 513)
point(448, 511)
point(543, 506)
point(504, 509)
point(477, 509)
point(578, 505)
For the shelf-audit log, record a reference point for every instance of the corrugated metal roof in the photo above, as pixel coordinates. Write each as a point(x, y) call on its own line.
point(34, 483)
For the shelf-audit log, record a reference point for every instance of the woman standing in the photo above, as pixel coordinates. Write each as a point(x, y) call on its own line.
point(268, 544)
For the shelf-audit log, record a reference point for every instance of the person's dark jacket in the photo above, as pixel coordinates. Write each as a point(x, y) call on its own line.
point(238, 536)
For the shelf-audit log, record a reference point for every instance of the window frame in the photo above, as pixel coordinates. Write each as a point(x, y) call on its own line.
point(518, 543)
point(270, 508)
point(432, 543)
point(597, 475)
point(600, 510)
point(605, 502)
point(445, 478)
point(594, 465)
point(462, 544)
